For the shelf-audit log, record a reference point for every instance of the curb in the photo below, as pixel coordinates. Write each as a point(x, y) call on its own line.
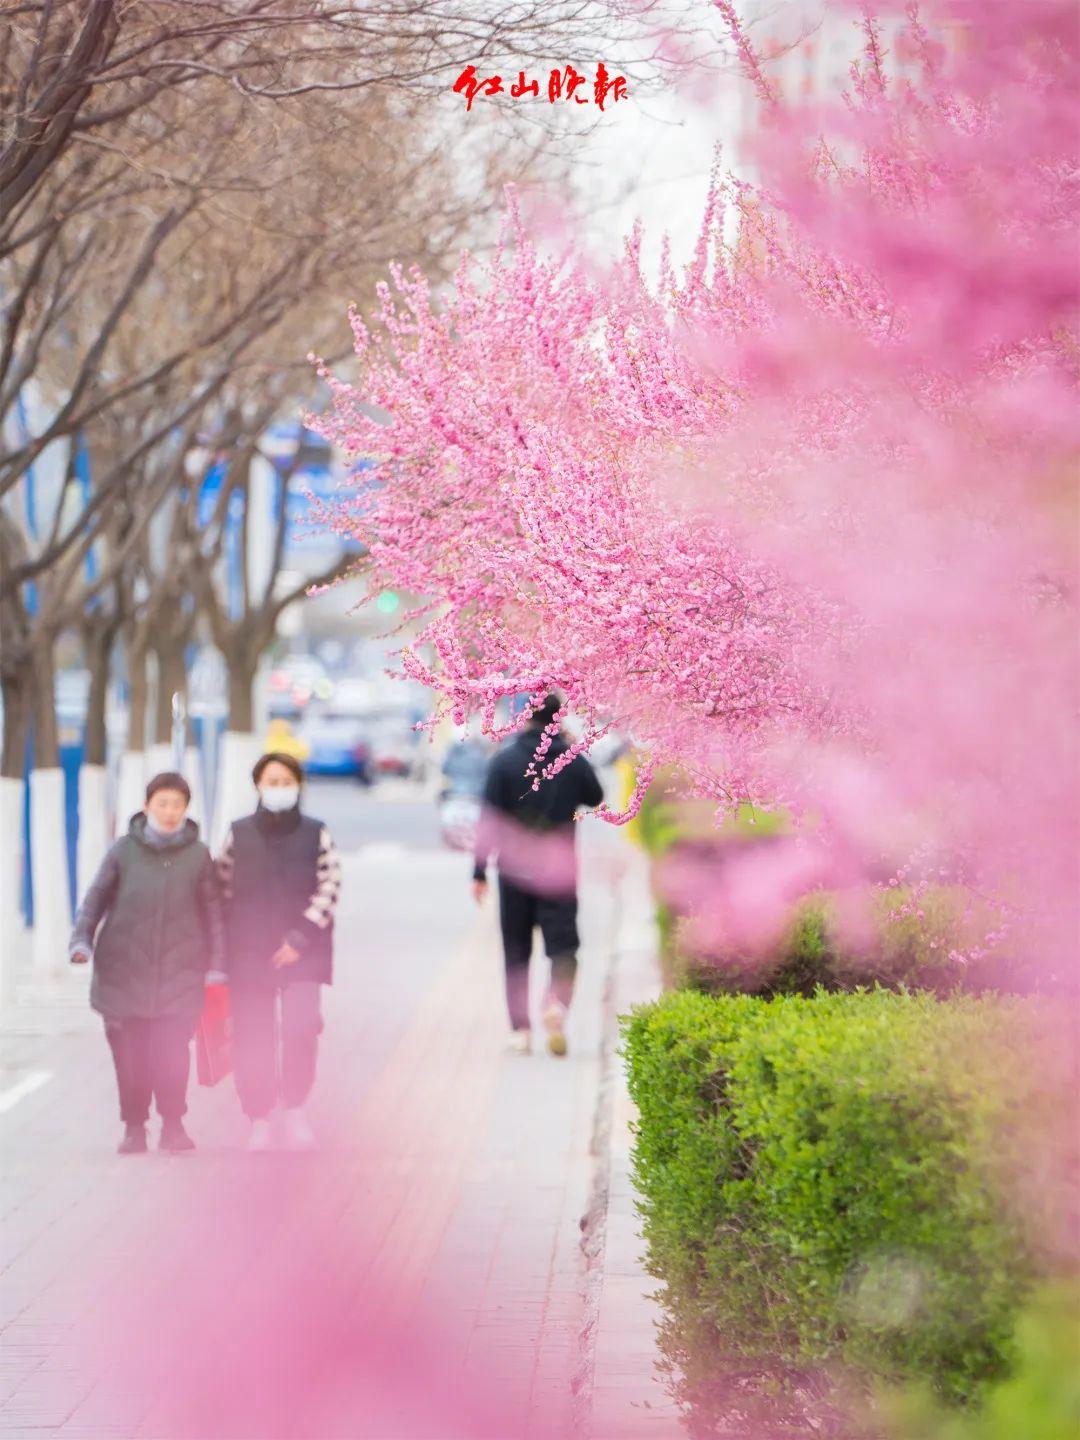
point(619, 1394)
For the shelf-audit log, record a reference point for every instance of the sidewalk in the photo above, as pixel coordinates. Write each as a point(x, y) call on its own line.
point(421, 1275)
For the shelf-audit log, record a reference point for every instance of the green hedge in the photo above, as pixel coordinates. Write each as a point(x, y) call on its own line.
point(818, 1182)
point(1041, 1401)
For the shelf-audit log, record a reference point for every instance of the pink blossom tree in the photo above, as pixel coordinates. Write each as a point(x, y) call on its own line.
point(801, 519)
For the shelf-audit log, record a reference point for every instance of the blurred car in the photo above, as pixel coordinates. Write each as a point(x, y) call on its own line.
point(393, 749)
point(337, 745)
point(364, 769)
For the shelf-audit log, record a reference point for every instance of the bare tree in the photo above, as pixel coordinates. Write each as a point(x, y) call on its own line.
point(137, 110)
point(75, 69)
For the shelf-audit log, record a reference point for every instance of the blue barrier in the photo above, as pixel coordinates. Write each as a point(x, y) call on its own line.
point(71, 758)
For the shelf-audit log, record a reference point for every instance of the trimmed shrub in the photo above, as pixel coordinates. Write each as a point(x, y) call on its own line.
point(1041, 1401)
point(819, 1184)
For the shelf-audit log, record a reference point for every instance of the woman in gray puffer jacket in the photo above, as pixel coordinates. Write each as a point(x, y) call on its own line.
point(158, 895)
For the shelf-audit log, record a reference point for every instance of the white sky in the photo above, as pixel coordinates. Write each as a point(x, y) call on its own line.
point(648, 157)
point(645, 157)
point(652, 157)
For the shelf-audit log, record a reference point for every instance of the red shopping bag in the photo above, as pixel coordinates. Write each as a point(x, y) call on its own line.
point(213, 1037)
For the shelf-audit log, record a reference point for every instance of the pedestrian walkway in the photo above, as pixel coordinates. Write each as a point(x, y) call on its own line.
point(421, 1275)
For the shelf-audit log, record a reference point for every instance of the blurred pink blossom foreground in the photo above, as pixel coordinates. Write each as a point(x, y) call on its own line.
point(802, 519)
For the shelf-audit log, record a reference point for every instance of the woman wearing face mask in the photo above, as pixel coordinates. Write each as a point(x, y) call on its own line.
point(158, 897)
point(280, 877)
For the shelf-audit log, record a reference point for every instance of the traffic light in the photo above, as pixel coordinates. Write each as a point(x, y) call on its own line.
point(387, 602)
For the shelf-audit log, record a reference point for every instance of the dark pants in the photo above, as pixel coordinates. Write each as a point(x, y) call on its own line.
point(152, 1058)
point(270, 1066)
point(520, 911)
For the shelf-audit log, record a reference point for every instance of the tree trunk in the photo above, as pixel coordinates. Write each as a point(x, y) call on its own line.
point(95, 824)
point(138, 694)
point(171, 679)
point(241, 666)
point(17, 687)
point(46, 733)
point(239, 746)
point(98, 638)
point(129, 790)
point(16, 681)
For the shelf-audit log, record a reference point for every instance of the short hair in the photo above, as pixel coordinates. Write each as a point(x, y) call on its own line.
point(289, 761)
point(169, 780)
point(545, 713)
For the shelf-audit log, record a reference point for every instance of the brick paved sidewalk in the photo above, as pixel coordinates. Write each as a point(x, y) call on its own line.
point(420, 1275)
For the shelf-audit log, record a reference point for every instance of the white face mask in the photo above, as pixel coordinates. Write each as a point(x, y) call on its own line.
point(278, 798)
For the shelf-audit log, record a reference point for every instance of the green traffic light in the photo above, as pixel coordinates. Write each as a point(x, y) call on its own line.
point(387, 602)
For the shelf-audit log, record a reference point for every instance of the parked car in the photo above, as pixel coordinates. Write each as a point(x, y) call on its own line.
point(337, 745)
point(393, 748)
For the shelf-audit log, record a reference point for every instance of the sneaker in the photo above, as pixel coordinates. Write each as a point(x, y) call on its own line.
point(554, 1018)
point(521, 1042)
point(175, 1138)
point(134, 1141)
point(296, 1128)
point(261, 1137)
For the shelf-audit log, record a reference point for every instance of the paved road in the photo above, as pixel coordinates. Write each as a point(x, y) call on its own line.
point(392, 812)
point(420, 1275)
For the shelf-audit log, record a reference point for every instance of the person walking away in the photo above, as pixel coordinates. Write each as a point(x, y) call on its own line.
point(531, 831)
point(281, 878)
point(157, 893)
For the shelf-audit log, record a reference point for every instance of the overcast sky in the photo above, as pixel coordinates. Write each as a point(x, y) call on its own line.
point(648, 157)
point(651, 159)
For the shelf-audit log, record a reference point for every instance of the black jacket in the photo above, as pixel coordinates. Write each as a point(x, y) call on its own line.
point(281, 878)
point(547, 810)
point(163, 926)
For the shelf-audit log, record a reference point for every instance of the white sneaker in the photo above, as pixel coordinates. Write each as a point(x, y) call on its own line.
point(261, 1137)
point(521, 1042)
point(296, 1128)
